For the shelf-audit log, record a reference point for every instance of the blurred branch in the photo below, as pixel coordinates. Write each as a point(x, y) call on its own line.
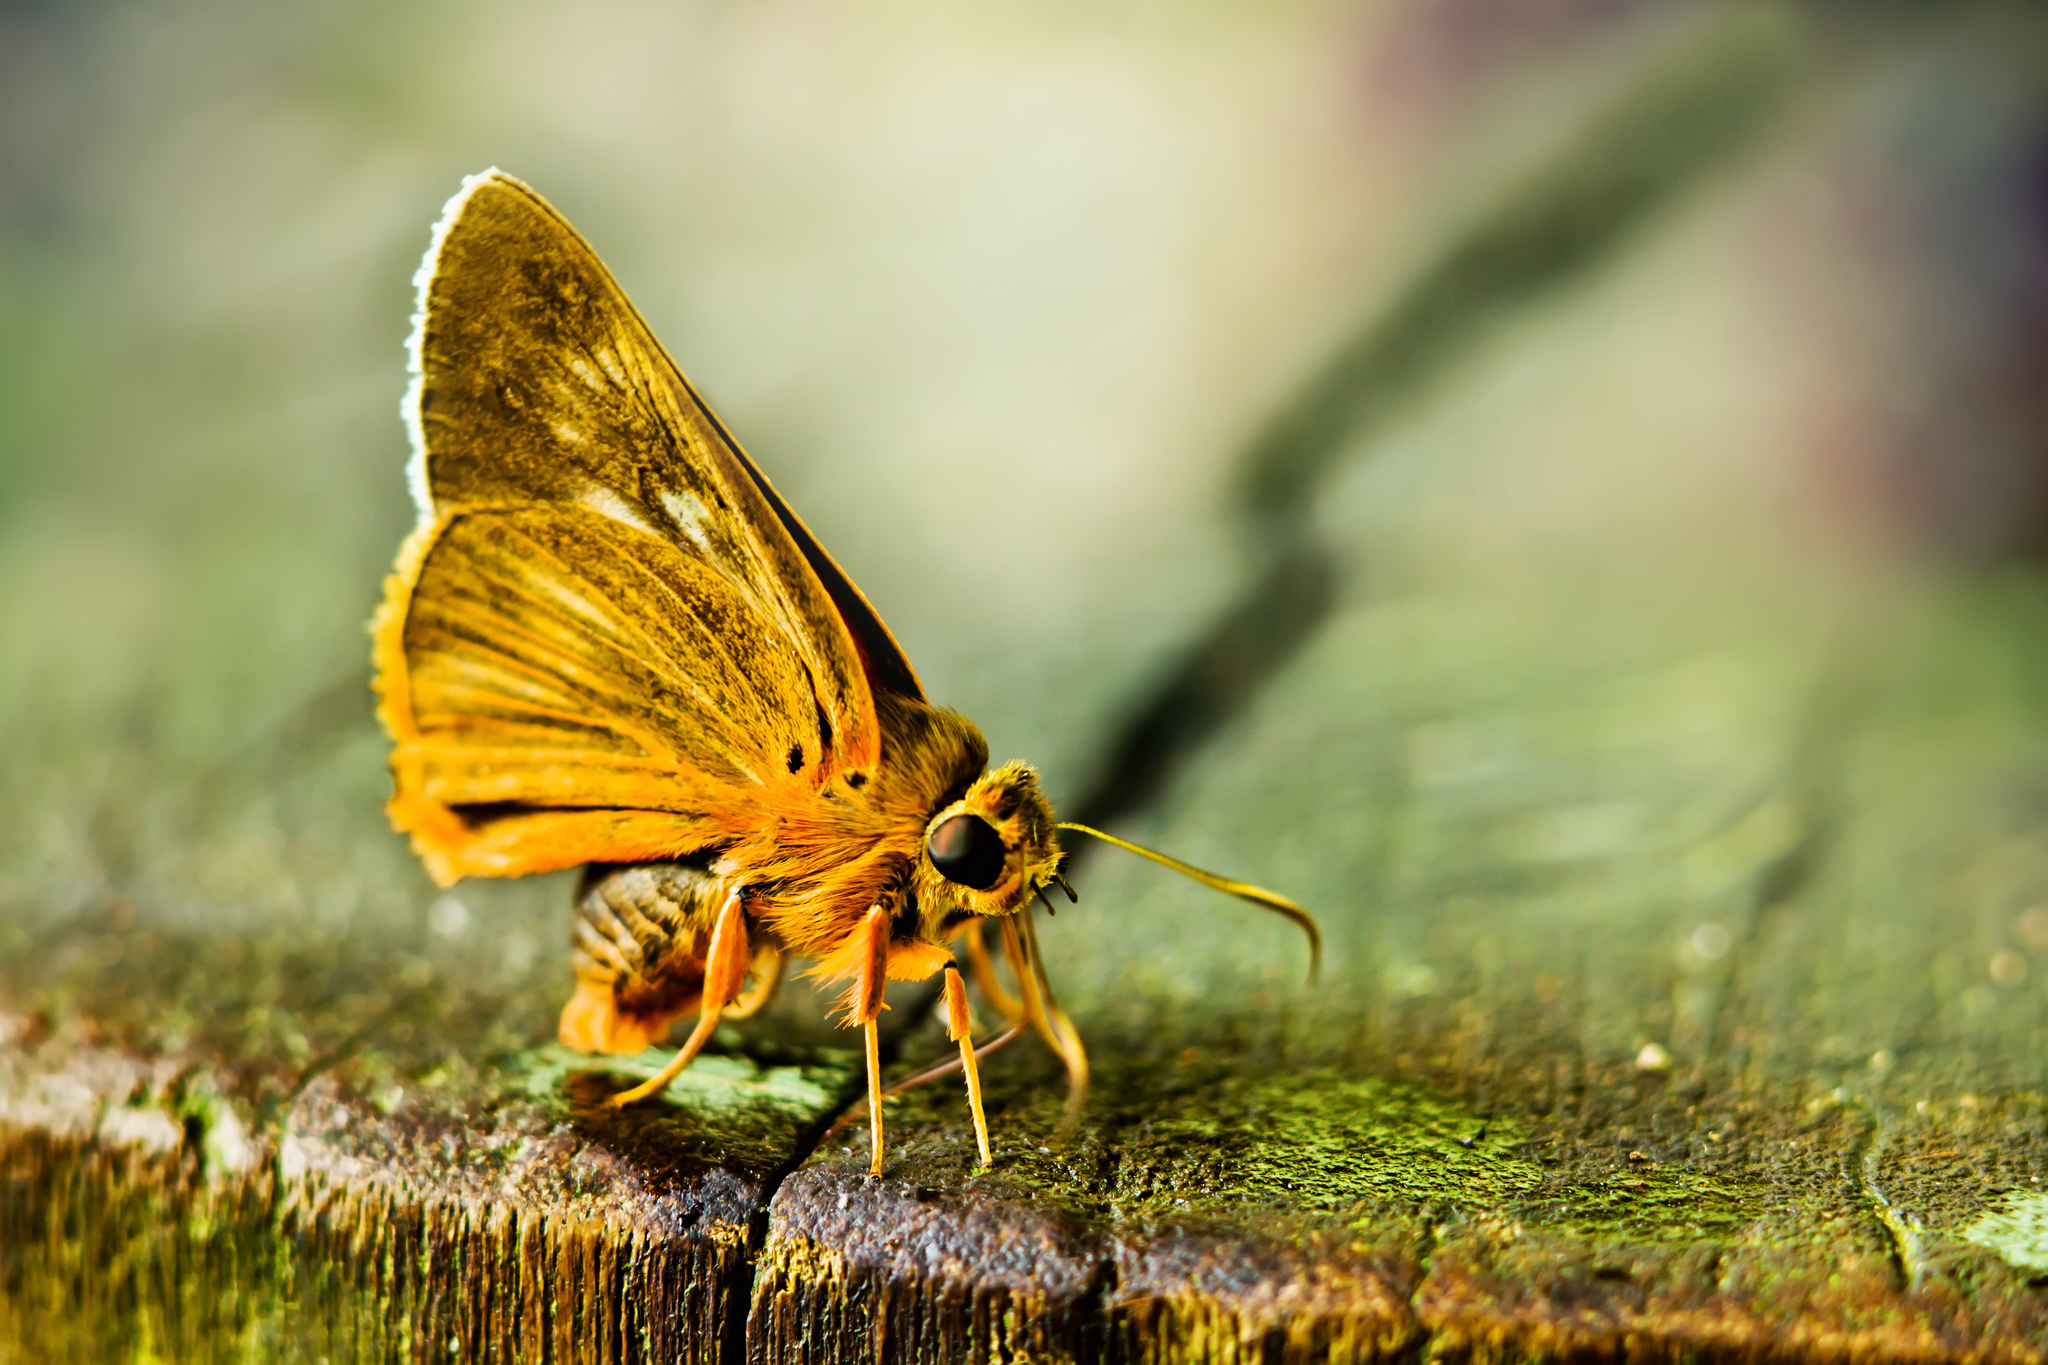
point(1693, 112)
point(1217, 679)
point(1688, 116)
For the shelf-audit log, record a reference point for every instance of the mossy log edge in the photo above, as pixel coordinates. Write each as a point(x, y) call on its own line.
point(117, 1250)
point(113, 1251)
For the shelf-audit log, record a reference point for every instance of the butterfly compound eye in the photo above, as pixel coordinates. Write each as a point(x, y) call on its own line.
point(967, 849)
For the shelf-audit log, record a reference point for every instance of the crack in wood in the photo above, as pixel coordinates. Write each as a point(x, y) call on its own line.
point(1902, 1234)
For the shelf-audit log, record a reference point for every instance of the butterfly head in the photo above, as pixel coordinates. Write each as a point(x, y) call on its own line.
point(989, 851)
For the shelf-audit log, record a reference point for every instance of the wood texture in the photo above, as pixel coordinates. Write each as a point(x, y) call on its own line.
point(148, 1212)
point(1687, 914)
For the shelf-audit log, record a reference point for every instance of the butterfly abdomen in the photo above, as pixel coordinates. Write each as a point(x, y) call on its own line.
point(640, 937)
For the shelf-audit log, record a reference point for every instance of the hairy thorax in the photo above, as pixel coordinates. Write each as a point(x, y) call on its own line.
point(820, 860)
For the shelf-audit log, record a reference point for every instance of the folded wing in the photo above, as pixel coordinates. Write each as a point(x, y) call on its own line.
point(609, 639)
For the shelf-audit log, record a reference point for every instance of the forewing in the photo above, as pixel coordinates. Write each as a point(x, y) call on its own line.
point(539, 382)
point(565, 688)
point(884, 660)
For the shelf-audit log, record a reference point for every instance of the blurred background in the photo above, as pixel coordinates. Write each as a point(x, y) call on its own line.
point(1425, 455)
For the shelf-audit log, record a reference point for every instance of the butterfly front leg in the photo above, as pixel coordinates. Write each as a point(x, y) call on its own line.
point(869, 982)
point(872, 979)
point(960, 1028)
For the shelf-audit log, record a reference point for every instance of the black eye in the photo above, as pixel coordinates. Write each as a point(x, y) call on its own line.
point(967, 849)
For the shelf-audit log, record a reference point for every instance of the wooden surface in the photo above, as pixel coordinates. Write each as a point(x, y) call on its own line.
point(1687, 908)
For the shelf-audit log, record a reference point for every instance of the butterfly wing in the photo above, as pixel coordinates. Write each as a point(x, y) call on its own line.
point(609, 640)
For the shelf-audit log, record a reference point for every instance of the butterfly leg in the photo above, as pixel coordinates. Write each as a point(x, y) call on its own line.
point(725, 967)
point(945, 1068)
point(767, 974)
point(873, 979)
point(640, 936)
point(960, 1028)
point(1021, 947)
point(1009, 1006)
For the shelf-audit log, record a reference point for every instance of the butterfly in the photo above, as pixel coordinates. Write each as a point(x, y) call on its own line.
point(609, 643)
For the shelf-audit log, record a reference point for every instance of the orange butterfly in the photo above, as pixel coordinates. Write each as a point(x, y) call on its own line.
point(611, 644)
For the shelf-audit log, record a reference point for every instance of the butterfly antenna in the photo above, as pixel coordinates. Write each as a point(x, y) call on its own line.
point(1257, 895)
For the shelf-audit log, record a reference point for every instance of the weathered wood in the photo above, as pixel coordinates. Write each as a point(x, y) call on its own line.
point(149, 1210)
point(1686, 929)
point(1811, 1163)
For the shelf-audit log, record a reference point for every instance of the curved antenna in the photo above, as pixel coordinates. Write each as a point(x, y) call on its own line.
point(1257, 895)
